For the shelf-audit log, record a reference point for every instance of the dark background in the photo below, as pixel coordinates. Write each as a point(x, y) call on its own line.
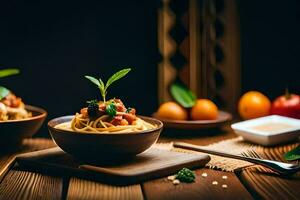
point(55, 43)
point(270, 33)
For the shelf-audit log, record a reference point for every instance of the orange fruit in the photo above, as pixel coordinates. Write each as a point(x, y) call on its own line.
point(204, 109)
point(254, 104)
point(171, 110)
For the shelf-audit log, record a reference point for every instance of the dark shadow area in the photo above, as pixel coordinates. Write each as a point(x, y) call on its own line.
point(55, 43)
point(270, 46)
point(189, 134)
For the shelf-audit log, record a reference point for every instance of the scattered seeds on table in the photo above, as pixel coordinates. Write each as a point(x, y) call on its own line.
point(171, 178)
point(204, 175)
point(224, 177)
point(224, 186)
point(215, 182)
point(176, 182)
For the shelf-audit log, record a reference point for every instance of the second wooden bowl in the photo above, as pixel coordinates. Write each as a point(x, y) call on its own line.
point(13, 131)
point(222, 119)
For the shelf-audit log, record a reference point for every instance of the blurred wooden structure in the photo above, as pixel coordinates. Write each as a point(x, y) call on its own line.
point(199, 43)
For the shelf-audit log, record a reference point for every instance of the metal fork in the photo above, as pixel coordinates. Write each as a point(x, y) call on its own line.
point(279, 167)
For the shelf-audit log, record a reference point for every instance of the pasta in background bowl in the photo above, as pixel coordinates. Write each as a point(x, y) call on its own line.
point(13, 108)
point(17, 120)
point(13, 131)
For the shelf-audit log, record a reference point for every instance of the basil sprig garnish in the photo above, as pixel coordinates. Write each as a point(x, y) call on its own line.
point(8, 72)
point(128, 110)
point(111, 109)
point(103, 87)
point(4, 73)
point(3, 92)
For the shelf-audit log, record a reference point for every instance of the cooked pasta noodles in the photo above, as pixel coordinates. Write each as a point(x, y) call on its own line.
point(12, 108)
point(124, 120)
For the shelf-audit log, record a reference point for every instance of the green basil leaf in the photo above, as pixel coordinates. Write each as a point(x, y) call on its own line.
point(113, 78)
point(102, 85)
point(3, 92)
point(183, 95)
point(93, 80)
point(8, 72)
point(128, 110)
point(111, 110)
point(94, 101)
point(293, 154)
point(117, 76)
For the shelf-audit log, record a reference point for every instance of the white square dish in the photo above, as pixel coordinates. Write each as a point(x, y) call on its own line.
point(270, 130)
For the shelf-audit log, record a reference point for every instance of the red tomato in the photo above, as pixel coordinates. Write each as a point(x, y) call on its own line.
point(287, 105)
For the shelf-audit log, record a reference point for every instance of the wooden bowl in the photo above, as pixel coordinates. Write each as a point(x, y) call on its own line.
point(12, 132)
point(108, 146)
point(222, 119)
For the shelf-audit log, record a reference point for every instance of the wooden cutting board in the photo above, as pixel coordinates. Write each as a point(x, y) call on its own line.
point(151, 164)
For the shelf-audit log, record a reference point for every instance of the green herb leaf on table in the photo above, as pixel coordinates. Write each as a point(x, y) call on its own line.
point(8, 72)
point(186, 175)
point(103, 87)
point(3, 92)
point(293, 154)
point(184, 96)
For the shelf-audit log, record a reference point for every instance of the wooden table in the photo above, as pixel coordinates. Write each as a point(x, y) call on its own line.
point(248, 184)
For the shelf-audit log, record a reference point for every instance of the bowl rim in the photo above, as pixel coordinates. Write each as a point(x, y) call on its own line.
point(42, 113)
point(225, 117)
point(160, 126)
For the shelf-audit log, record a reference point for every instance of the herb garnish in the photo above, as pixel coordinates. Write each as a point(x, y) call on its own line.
point(183, 95)
point(111, 109)
point(293, 154)
point(8, 72)
point(128, 110)
point(186, 175)
point(3, 92)
point(103, 87)
point(4, 73)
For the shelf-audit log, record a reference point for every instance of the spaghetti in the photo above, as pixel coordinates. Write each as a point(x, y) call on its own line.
point(12, 108)
point(101, 120)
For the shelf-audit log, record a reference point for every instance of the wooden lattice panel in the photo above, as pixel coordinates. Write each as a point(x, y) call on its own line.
point(199, 44)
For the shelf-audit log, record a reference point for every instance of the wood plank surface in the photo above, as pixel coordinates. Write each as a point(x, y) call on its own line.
point(202, 188)
point(83, 189)
point(264, 185)
point(7, 159)
point(6, 163)
point(27, 185)
point(261, 185)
